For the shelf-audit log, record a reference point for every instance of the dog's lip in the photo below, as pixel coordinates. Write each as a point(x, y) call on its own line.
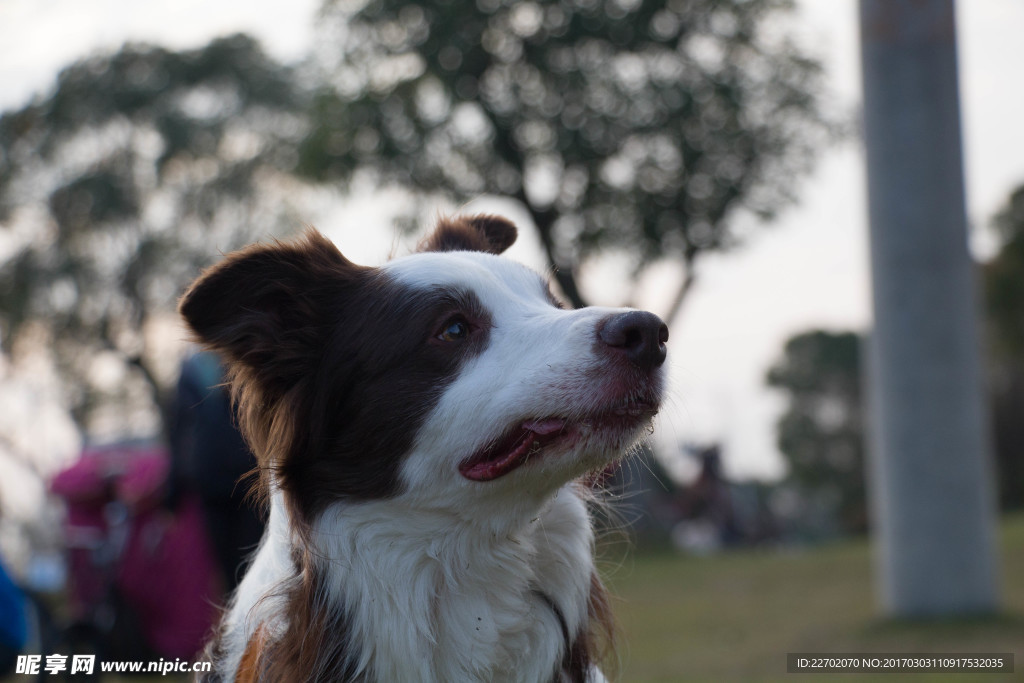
point(515, 447)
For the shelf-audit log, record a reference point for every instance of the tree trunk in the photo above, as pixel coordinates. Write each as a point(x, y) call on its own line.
point(933, 493)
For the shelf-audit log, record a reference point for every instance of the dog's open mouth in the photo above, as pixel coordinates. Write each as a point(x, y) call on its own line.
point(530, 437)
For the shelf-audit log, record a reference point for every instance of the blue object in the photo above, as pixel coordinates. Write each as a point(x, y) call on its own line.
point(13, 622)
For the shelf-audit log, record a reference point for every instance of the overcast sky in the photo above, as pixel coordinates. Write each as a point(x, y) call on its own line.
point(809, 269)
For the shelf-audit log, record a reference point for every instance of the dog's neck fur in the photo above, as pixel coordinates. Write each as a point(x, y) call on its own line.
point(430, 596)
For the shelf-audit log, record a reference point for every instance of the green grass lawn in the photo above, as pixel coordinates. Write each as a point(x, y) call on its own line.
point(735, 616)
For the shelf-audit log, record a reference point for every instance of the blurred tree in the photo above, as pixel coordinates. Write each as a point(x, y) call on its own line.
point(1004, 281)
point(639, 126)
point(821, 434)
point(118, 185)
point(1003, 278)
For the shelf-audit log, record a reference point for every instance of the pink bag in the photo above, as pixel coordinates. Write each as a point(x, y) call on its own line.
point(160, 562)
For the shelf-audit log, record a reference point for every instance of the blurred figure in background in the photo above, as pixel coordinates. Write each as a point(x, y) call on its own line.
point(210, 457)
point(716, 513)
point(707, 506)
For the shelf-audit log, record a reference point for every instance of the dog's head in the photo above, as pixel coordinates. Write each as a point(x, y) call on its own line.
point(443, 376)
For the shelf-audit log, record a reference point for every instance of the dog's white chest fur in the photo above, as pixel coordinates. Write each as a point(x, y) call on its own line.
point(432, 598)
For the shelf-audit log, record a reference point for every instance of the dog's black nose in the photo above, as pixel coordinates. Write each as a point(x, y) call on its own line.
point(640, 335)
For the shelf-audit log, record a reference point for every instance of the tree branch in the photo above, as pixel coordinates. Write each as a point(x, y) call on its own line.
point(161, 401)
point(672, 314)
point(544, 220)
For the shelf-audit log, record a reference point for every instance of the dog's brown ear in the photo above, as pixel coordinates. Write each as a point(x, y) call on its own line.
point(264, 307)
point(483, 232)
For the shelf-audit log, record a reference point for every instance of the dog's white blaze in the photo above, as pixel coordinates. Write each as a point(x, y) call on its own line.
point(540, 361)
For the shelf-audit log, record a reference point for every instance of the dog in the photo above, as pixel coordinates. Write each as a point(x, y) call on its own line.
point(421, 430)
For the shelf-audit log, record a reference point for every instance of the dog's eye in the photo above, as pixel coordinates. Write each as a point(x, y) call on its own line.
point(454, 330)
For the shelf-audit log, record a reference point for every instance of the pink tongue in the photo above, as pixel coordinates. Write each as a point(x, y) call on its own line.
point(544, 426)
point(487, 470)
point(492, 469)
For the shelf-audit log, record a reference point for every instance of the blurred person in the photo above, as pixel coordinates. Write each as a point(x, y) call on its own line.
point(706, 507)
point(210, 458)
point(142, 580)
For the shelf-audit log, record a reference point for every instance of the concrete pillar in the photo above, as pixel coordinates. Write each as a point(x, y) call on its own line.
point(931, 481)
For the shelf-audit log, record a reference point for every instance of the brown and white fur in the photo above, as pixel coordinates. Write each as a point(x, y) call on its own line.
point(421, 429)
